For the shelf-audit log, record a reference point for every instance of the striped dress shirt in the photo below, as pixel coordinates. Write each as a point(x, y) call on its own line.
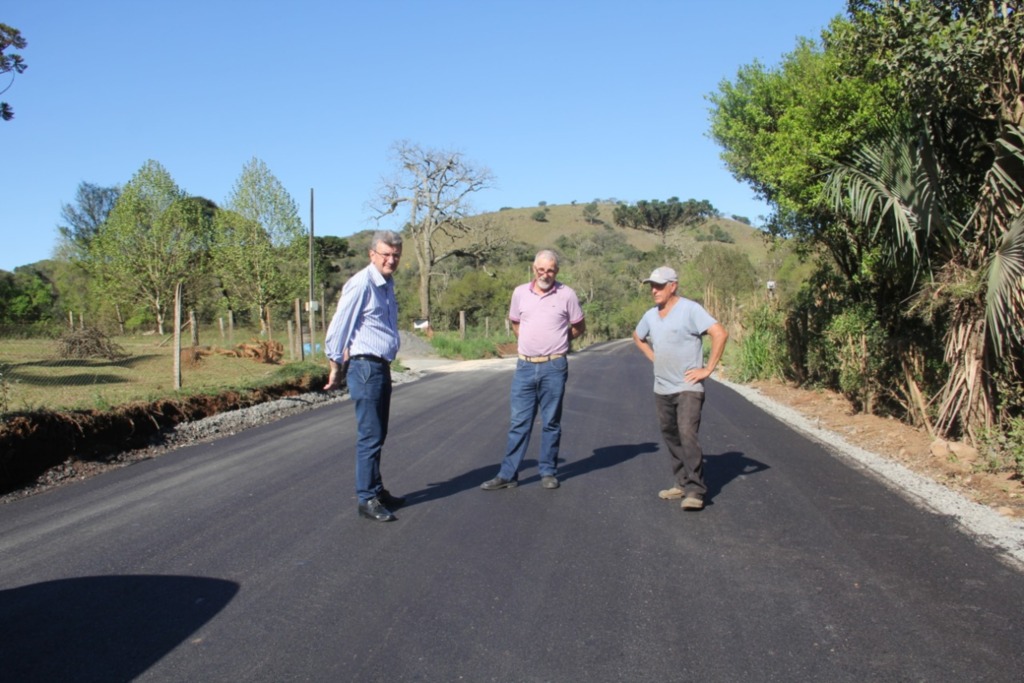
point(366, 321)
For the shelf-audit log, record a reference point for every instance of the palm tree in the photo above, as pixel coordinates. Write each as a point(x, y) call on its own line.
point(964, 254)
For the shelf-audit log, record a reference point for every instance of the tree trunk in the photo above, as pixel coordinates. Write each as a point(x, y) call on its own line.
point(424, 261)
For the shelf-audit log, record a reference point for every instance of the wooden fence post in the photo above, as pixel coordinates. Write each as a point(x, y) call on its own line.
point(177, 337)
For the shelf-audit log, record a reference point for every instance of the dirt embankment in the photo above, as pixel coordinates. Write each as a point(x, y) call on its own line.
point(42, 448)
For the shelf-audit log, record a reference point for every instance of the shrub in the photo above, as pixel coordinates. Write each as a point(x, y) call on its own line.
point(762, 351)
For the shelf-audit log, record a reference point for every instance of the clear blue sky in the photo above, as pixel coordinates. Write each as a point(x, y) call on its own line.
point(562, 100)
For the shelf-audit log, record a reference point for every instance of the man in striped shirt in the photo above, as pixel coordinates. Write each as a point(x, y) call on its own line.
point(363, 336)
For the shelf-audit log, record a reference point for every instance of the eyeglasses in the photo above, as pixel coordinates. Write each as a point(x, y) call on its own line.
point(545, 271)
point(395, 255)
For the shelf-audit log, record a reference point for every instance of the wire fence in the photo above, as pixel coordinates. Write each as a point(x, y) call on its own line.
point(84, 368)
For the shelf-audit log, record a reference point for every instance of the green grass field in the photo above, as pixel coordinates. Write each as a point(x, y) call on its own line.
point(34, 377)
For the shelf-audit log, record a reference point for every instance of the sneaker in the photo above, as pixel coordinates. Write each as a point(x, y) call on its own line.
point(671, 494)
point(549, 482)
point(692, 502)
point(499, 483)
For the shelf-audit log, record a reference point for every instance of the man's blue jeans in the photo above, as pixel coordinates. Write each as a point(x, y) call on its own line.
point(535, 387)
point(369, 387)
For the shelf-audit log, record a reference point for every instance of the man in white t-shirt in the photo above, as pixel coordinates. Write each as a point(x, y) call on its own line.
point(670, 335)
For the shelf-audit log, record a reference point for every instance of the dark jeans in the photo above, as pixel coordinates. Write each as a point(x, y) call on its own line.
point(535, 387)
point(679, 416)
point(369, 387)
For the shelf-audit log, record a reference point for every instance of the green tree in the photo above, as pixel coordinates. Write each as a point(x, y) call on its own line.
point(659, 217)
point(260, 248)
point(153, 239)
point(591, 213)
point(83, 218)
point(246, 264)
point(26, 296)
point(11, 63)
point(780, 128)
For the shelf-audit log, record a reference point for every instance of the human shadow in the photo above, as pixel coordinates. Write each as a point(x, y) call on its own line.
point(720, 470)
point(606, 456)
point(125, 362)
point(457, 484)
point(78, 380)
point(102, 628)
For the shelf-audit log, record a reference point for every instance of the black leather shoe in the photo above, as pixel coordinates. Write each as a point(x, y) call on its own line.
point(390, 502)
point(375, 510)
point(499, 483)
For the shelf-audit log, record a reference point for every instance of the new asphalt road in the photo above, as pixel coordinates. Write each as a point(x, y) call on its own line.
point(243, 559)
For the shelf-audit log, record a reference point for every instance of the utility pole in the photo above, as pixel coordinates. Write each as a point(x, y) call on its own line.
point(312, 299)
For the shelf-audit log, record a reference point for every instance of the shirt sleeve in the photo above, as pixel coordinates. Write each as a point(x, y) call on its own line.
point(345, 320)
point(574, 309)
point(643, 328)
point(513, 309)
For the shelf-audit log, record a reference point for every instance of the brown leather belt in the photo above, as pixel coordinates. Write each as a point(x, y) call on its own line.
point(540, 359)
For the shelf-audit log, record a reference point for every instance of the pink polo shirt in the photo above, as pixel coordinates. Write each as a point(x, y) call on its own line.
point(544, 320)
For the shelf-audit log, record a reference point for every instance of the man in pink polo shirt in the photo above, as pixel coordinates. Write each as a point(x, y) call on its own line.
point(546, 316)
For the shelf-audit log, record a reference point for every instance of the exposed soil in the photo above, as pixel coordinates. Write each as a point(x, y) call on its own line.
point(949, 464)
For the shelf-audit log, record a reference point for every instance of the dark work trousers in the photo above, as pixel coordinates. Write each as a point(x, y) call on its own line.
point(679, 417)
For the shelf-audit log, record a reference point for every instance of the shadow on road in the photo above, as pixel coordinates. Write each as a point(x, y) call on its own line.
point(606, 456)
point(609, 456)
point(102, 628)
point(719, 470)
point(442, 489)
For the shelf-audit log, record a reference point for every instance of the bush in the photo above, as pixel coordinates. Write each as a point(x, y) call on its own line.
point(762, 351)
point(540, 216)
point(857, 349)
point(1004, 448)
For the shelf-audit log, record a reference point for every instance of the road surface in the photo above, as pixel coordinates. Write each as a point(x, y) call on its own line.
point(243, 559)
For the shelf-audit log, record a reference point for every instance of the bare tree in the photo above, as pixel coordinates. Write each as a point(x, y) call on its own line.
point(435, 186)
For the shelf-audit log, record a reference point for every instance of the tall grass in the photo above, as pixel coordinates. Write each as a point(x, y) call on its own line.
point(762, 350)
point(474, 347)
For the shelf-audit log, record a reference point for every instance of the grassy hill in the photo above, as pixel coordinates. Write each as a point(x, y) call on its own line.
point(567, 220)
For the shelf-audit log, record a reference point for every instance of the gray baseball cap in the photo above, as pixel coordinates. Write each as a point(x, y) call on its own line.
point(662, 276)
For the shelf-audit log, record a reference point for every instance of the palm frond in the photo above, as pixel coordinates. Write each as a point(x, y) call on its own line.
point(1004, 299)
point(1002, 197)
point(889, 186)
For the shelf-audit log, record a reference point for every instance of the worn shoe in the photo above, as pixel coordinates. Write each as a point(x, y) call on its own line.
point(549, 482)
point(692, 502)
point(671, 494)
point(391, 502)
point(499, 483)
point(375, 510)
